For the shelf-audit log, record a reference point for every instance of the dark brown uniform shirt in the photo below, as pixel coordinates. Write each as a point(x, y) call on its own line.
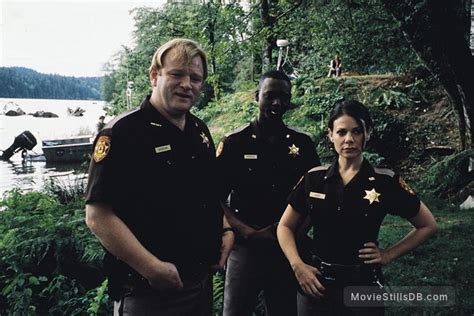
point(161, 182)
point(346, 217)
point(260, 174)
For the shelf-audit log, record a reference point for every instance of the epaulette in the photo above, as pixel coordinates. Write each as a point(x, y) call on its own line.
point(320, 168)
point(237, 130)
point(112, 122)
point(384, 171)
point(295, 129)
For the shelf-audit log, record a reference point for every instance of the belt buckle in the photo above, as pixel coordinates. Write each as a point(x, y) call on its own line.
point(325, 265)
point(325, 269)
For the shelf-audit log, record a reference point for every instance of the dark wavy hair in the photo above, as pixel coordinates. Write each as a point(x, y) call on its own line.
point(354, 109)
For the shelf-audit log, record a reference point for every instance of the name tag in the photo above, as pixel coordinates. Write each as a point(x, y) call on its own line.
point(248, 156)
point(317, 195)
point(162, 149)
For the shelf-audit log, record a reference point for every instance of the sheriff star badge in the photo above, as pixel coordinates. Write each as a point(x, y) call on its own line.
point(205, 140)
point(294, 151)
point(372, 196)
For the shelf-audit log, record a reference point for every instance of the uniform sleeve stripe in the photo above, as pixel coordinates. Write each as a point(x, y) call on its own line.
point(319, 168)
point(384, 171)
point(121, 116)
point(238, 129)
point(297, 130)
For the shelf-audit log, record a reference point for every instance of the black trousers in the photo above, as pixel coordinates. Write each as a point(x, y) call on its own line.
point(333, 305)
point(253, 267)
point(194, 300)
point(335, 279)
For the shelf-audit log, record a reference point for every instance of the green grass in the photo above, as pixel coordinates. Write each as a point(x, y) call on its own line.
point(443, 260)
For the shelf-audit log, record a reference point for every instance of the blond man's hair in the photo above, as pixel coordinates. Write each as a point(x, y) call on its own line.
point(185, 50)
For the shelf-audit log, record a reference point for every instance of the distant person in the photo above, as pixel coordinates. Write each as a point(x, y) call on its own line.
point(347, 202)
point(259, 164)
point(101, 123)
point(151, 198)
point(335, 66)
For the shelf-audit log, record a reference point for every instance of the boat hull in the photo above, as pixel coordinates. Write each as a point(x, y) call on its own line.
point(67, 150)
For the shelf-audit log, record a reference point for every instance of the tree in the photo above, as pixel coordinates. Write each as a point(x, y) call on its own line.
point(439, 32)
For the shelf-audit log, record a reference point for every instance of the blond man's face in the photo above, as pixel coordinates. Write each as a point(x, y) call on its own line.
point(177, 85)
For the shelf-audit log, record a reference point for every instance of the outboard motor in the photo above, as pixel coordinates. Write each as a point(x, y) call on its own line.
point(25, 140)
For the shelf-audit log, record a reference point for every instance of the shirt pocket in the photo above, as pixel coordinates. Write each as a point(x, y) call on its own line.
point(318, 205)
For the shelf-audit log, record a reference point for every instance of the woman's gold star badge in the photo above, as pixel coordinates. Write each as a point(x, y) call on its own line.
point(372, 196)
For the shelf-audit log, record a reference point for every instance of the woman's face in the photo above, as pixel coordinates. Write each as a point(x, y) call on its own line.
point(348, 137)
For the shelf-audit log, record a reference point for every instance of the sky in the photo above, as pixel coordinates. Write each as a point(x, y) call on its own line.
point(65, 37)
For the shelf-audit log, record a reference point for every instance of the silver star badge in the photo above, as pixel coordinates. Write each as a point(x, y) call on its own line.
point(294, 151)
point(205, 140)
point(372, 196)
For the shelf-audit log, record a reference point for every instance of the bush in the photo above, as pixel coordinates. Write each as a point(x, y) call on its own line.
point(50, 260)
point(388, 137)
point(453, 170)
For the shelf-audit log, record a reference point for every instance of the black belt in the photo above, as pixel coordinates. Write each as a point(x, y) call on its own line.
point(318, 262)
point(335, 272)
point(190, 274)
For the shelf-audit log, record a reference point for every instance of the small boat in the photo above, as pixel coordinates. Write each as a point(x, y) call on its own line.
point(73, 149)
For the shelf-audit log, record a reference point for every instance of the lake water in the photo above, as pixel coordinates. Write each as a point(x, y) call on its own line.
point(33, 175)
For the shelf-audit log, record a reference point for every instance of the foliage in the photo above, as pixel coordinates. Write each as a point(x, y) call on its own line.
point(19, 82)
point(312, 101)
point(228, 113)
point(374, 158)
point(388, 137)
point(439, 33)
point(50, 260)
point(236, 39)
point(215, 26)
point(218, 293)
point(362, 32)
point(67, 189)
point(453, 170)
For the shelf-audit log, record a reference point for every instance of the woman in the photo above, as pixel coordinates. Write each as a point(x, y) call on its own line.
point(335, 66)
point(347, 203)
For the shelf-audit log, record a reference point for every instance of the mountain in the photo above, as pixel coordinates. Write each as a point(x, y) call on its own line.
point(20, 82)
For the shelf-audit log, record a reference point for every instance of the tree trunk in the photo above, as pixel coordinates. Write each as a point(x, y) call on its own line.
point(439, 33)
point(267, 21)
point(211, 26)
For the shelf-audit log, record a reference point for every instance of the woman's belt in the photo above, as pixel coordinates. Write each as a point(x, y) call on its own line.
point(347, 274)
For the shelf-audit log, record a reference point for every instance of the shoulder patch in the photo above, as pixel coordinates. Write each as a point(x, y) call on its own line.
point(219, 148)
point(320, 168)
point(237, 130)
point(384, 171)
point(405, 186)
point(102, 148)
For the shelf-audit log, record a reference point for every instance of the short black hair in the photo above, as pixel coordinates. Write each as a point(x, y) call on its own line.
point(353, 108)
point(273, 74)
